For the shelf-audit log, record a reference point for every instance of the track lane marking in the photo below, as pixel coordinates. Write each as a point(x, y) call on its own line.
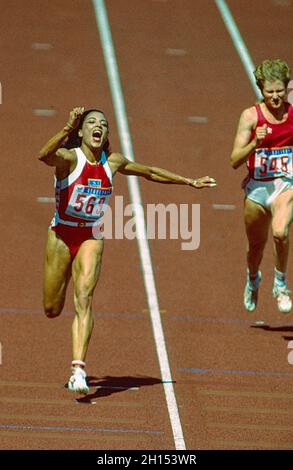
point(44, 112)
point(241, 393)
point(253, 445)
point(46, 200)
point(245, 410)
point(30, 427)
point(239, 44)
point(7, 383)
point(61, 402)
point(252, 427)
point(227, 207)
point(135, 196)
point(236, 372)
point(61, 437)
point(66, 419)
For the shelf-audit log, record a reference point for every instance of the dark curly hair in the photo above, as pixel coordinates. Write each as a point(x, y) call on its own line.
point(73, 140)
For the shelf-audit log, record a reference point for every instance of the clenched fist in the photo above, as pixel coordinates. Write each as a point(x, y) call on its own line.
point(260, 134)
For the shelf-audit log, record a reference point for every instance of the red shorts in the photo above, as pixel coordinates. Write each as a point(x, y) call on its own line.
point(73, 237)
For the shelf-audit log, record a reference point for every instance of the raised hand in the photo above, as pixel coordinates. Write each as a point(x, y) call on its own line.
point(74, 117)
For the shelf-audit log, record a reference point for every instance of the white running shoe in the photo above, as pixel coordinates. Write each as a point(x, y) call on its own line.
point(250, 295)
point(282, 294)
point(77, 382)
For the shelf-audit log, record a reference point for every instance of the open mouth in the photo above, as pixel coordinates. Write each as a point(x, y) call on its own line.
point(97, 135)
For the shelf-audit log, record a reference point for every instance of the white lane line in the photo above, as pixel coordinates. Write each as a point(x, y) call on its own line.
point(225, 207)
point(42, 46)
point(144, 251)
point(46, 200)
point(197, 119)
point(282, 3)
point(44, 112)
point(238, 43)
point(176, 52)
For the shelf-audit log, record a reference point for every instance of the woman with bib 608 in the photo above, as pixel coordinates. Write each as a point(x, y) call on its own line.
point(264, 141)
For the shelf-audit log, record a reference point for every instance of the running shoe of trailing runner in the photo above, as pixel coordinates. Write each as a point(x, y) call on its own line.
point(250, 295)
point(282, 294)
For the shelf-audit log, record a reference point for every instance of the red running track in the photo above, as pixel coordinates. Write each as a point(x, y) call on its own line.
point(232, 377)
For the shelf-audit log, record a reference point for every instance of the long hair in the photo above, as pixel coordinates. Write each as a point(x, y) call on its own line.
point(73, 140)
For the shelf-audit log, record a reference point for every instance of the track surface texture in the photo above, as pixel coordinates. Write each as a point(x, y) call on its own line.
point(184, 88)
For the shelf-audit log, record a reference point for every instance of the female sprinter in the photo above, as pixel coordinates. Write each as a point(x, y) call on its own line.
point(84, 169)
point(264, 141)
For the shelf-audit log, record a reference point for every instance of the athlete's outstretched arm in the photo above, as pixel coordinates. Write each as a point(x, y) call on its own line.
point(51, 153)
point(158, 175)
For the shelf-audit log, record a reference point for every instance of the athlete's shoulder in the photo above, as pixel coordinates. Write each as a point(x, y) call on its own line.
point(117, 162)
point(249, 116)
point(117, 159)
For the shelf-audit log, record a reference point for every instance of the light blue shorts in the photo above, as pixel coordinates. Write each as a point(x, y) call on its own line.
point(265, 192)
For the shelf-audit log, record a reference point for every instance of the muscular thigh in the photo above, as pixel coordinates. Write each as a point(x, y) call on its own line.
point(257, 221)
point(282, 210)
point(87, 264)
point(57, 267)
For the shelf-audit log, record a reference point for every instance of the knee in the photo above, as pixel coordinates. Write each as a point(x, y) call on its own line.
point(52, 310)
point(83, 296)
point(280, 234)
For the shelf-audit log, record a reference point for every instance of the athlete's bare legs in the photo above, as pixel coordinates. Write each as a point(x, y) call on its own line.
point(282, 210)
point(257, 221)
point(57, 274)
point(85, 274)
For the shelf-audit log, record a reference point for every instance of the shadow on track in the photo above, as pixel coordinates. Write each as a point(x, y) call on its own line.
point(106, 386)
point(276, 329)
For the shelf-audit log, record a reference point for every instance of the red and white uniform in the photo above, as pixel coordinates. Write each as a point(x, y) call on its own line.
point(81, 200)
point(270, 167)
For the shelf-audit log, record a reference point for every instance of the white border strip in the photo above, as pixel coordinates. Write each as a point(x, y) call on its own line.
point(238, 43)
point(134, 190)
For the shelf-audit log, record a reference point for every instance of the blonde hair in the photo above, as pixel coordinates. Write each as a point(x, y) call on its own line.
point(271, 70)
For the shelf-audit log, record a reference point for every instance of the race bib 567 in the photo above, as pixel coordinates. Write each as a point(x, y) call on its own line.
point(88, 203)
point(273, 163)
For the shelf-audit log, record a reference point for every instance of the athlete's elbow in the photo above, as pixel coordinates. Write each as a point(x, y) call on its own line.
point(42, 155)
point(233, 162)
point(46, 158)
